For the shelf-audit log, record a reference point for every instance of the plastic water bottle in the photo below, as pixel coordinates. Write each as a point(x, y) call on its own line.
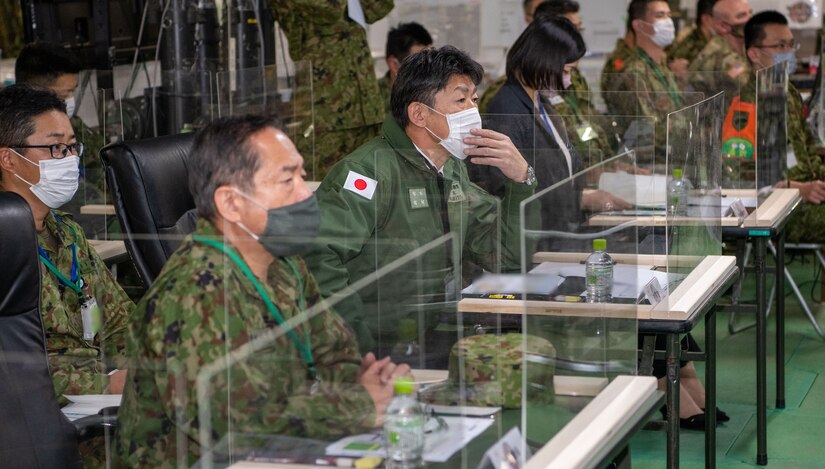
point(599, 273)
point(404, 428)
point(677, 194)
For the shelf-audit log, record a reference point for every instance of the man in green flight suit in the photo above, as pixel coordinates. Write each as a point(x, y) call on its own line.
point(691, 45)
point(84, 309)
point(769, 41)
point(722, 65)
point(402, 41)
point(409, 187)
point(646, 87)
point(239, 278)
point(347, 106)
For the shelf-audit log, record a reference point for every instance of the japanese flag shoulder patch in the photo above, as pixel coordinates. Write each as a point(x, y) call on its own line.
point(361, 185)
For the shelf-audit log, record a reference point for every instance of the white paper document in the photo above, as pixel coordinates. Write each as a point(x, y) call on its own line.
point(439, 446)
point(628, 280)
point(89, 404)
point(537, 284)
point(638, 189)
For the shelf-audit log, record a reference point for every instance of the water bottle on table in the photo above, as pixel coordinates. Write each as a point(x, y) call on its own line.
point(677, 197)
point(599, 273)
point(404, 427)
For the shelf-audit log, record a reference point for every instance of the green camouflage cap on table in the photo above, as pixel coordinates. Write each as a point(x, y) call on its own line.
point(493, 367)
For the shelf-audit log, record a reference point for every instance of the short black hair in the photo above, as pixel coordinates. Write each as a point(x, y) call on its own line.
point(557, 8)
point(221, 155)
point(426, 73)
point(19, 106)
point(637, 10)
point(704, 7)
point(41, 63)
point(755, 27)
point(403, 37)
point(538, 56)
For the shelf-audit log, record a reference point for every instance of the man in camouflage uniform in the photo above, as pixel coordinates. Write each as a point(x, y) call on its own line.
point(347, 107)
point(49, 66)
point(624, 51)
point(11, 28)
point(722, 65)
point(767, 34)
point(235, 280)
point(402, 41)
point(645, 86)
point(691, 45)
point(80, 360)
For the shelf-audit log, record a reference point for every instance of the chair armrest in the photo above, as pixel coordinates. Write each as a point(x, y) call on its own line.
point(93, 425)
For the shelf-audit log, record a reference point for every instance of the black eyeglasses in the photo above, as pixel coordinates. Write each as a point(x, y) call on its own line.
point(59, 151)
point(785, 46)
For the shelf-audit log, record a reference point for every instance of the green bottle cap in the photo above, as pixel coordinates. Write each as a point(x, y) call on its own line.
point(678, 173)
point(404, 385)
point(599, 244)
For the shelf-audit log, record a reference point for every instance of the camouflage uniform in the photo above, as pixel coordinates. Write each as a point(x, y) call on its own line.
point(11, 28)
point(578, 115)
point(709, 70)
point(649, 90)
point(613, 64)
point(808, 220)
point(200, 308)
point(347, 105)
point(490, 93)
point(689, 47)
point(79, 366)
point(385, 88)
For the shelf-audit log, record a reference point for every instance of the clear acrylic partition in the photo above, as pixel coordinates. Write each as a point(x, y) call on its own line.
point(261, 91)
point(593, 334)
point(771, 93)
point(620, 113)
point(694, 205)
point(302, 418)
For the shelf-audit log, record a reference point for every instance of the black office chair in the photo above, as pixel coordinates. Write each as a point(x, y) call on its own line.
point(149, 184)
point(33, 433)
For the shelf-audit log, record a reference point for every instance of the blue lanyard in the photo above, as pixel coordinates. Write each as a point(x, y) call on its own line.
point(75, 282)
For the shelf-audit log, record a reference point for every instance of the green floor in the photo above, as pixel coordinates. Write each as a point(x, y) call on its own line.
point(796, 434)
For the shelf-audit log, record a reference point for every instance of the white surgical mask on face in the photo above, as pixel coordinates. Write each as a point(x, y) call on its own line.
point(459, 124)
point(566, 79)
point(58, 180)
point(70, 107)
point(664, 32)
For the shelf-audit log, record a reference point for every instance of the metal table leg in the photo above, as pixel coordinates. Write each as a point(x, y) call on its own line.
point(674, 348)
point(761, 246)
point(710, 388)
point(780, 320)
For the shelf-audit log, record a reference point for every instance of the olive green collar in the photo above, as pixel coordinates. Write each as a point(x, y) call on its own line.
point(401, 143)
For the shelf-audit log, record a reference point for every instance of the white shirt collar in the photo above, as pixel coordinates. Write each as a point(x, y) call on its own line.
point(440, 170)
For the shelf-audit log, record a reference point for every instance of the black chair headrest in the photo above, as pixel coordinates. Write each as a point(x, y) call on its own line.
point(18, 251)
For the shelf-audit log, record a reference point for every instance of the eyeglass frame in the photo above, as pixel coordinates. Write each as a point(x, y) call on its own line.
point(78, 145)
point(795, 46)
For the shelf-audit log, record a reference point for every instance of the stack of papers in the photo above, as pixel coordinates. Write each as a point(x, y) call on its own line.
point(439, 446)
point(89, 404)
point(514, 284)
point(628, 280)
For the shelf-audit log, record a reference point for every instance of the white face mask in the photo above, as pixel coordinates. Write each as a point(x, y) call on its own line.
point(58, 180)
point(459, 124)
point(664, 32)
point(566, 80)
point(70, 107)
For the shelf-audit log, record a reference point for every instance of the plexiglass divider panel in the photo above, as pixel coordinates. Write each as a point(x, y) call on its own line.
point(581, 291)
point(771, 97)
point(694, 207)
point(261, 91)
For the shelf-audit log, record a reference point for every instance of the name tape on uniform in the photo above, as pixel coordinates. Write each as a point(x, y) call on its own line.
point(361, 185)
